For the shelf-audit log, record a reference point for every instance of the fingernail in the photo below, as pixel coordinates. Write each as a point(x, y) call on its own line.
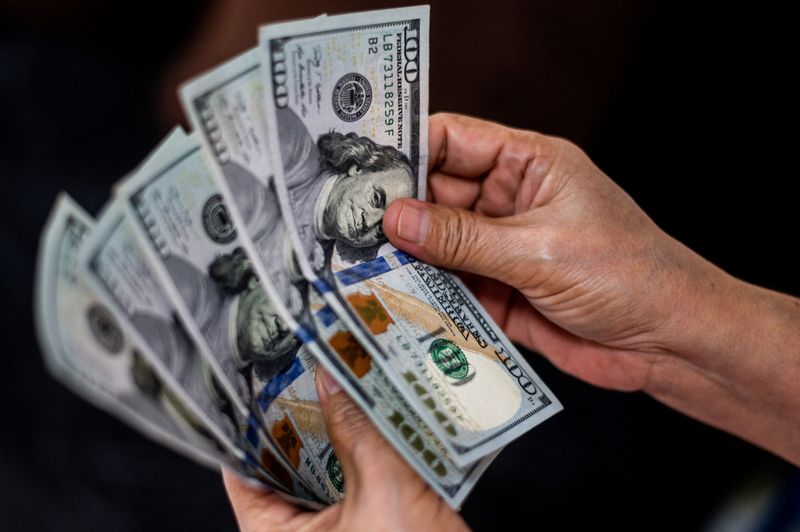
point(413, 223)
point(330, 386)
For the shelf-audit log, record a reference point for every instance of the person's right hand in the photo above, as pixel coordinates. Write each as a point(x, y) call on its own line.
point(570, 266)
point(534, 213)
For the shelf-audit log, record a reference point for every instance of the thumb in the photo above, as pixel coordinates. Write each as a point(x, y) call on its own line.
point(355, 440)
point(453, 238)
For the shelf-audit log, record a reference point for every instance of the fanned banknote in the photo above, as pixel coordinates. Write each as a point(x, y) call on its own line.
point(230, 312)
point(117, 266)
point(225, 105)
point(86, 348)
point(341, 159)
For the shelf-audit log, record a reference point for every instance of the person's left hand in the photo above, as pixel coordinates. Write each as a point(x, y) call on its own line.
point(382, 492)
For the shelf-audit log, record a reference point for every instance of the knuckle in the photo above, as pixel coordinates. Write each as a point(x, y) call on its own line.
point(536, 143)
point(548, 245)
point(564, 144)
point(571, 151)
point(564, 150)
point(561, 144)
point(542, 257)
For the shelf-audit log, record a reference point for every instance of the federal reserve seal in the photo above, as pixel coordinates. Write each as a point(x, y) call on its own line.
point(217, 222)
point(104, 328)
point(352, 97)
point(451, 361)
point(334, 471)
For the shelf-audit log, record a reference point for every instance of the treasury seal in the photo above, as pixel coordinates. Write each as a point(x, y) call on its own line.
point(451, 361)
point(352, 97)
point(217, 222)
point(104, 328)
point(334, 471)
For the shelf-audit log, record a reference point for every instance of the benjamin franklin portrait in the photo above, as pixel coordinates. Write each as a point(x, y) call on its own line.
point(255, 332)
point(339, 188)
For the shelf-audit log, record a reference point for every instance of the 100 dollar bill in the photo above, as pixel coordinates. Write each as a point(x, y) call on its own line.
point(346, 113)
point(388, 408)
point(456, 360)
point(116, 266)
point(86, 347)
point(195, 249)
point(347, 131)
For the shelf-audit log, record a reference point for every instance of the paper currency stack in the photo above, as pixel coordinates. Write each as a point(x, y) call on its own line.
point(239, 256)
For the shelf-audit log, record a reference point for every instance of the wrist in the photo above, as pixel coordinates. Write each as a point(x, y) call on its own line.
point(733, 358)
point(714, 317)
point(734, 329)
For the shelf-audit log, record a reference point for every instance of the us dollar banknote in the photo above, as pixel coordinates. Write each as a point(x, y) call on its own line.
point(86, 348)
point(230, 311)
point(391, 412)
point(346, 110)
point(225, 106)
point(484, 392)
point(117, 268)
point(340, 160)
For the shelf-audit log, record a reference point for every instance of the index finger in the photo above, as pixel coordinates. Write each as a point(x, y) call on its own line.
point(464, 146)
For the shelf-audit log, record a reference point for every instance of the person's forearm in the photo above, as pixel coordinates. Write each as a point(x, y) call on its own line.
point(737, 365)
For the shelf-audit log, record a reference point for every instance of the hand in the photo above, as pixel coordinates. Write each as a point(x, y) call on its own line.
point(382, 492)
point(569, 245)
point(570, 266)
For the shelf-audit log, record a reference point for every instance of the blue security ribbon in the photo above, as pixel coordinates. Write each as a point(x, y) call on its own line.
point(362, 272)
point(373, 268)
point(305, 335)
point(321, 286)
point(278, 383)
point(253, 428)
point(404, 258)
point(326, 315)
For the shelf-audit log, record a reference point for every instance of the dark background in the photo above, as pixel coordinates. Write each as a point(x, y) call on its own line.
point(692, 109)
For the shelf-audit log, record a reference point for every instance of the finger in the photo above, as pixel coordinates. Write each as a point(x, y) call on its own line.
point(462, 240)
point(352, 435)
point(256, 507)
point(465, 146)
point(469, 148)
point(453, 191)
point(596, 364)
